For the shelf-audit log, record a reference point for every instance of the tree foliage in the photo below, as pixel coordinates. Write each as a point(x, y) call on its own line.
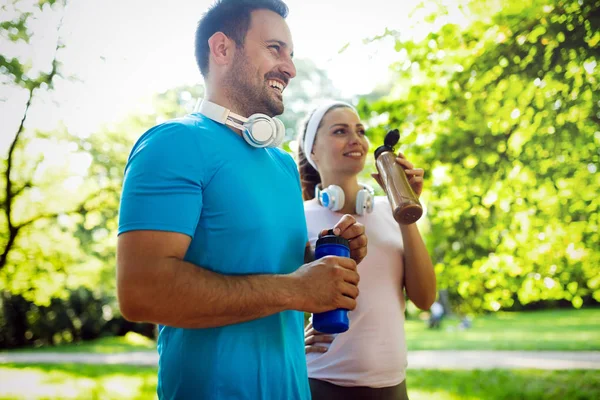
point(505, 117)
point(504, 114)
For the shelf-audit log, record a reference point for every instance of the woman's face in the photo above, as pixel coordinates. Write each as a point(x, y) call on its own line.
point(340, 146)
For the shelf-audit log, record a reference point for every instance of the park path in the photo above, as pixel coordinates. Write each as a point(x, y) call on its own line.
point(423, 359)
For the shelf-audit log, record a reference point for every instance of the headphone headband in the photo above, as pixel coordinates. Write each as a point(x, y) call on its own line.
point(272, 137)
point(333, 198)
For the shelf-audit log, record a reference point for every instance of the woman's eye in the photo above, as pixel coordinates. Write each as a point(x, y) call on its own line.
point(338, 131)
point(275, 47)
point(362, 132)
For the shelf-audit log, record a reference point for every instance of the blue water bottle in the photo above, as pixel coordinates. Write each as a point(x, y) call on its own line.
point(334, 321)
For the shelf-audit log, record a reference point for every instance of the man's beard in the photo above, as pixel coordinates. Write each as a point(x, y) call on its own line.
point(247, 96)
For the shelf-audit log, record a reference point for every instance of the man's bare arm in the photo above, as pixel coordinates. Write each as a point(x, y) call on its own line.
point(155, 285)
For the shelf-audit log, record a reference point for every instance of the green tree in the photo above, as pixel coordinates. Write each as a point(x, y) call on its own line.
point(19, 174)
point(505, 117)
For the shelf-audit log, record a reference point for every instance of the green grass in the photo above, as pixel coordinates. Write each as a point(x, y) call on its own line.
point(68, 381)
point(107, 345)
point(503, 385)
point(76, 381)
point(539, 330)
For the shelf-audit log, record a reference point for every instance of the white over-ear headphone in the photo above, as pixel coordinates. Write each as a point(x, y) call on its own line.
point(258, 130)
point(333, 198)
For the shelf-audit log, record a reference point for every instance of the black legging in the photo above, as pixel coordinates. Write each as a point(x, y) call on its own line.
point(322, 390)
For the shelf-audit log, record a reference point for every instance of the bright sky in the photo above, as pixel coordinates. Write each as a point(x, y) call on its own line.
point(124, 51)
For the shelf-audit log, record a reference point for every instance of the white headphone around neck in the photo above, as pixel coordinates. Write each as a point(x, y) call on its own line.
point(258, 130)
point(333, 198)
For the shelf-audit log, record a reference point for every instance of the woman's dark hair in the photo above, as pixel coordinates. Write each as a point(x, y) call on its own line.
point(232, 17)
point(309, 176)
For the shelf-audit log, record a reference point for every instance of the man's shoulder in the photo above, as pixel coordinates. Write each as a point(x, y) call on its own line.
point(191, 124)
point(279, 152)
point(195, 121)
point(180, 132)
point(285, 159)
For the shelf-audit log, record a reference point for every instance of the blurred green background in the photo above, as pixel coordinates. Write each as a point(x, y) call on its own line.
point(502, 110)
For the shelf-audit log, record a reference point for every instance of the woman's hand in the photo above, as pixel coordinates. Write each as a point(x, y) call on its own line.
point(312, 338)
point(354, 232)
point(414, 175)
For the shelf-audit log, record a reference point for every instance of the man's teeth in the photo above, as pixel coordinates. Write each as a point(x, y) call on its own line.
point(275, 84)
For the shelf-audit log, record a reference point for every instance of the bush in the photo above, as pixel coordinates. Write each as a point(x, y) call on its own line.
point(84, 315)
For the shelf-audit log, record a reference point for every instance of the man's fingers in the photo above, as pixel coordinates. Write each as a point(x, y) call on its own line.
point(351, 277)
point(350, 290)
point(346, 263)
point(348, 303)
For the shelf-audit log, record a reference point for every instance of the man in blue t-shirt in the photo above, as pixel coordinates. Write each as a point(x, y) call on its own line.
point(212, 235)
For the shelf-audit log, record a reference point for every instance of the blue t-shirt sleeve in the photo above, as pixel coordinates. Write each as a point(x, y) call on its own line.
point(162, 187)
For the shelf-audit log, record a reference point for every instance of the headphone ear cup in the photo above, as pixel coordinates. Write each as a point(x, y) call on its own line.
point(332, 198)
point(370, 198)
point(279, 133)
point(361, 201)
point(365, 201)
point(259, 130)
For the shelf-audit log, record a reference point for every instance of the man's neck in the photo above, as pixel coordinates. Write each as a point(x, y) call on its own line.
point(223, 100)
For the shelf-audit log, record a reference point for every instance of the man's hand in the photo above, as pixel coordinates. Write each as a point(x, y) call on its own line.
point(354, 232)
point(326, 284)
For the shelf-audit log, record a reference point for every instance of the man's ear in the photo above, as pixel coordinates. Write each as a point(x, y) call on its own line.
point(221, 48)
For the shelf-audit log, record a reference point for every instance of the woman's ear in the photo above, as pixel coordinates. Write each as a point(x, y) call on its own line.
point(313, 155)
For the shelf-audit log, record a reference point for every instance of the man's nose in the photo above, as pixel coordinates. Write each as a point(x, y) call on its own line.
point(288, 68)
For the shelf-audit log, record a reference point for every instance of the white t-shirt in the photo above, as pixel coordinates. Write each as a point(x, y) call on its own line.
point(373, 351)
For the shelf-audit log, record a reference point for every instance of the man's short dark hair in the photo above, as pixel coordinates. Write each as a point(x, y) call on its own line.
point(232, 17)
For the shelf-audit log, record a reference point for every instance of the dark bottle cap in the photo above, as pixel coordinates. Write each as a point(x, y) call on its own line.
point(331, 238)
point(391, 139)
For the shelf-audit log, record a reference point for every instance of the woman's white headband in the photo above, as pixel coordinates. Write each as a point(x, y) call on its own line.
point(313, 125)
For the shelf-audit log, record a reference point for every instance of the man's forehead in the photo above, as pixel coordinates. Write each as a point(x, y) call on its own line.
point(269, 26)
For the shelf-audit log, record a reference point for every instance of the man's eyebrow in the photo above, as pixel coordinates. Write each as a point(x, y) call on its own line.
point(282, 44)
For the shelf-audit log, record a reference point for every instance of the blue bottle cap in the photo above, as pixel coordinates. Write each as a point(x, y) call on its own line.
point(331, 238)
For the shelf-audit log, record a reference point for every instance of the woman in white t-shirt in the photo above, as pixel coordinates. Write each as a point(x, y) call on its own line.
point(369, 360)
